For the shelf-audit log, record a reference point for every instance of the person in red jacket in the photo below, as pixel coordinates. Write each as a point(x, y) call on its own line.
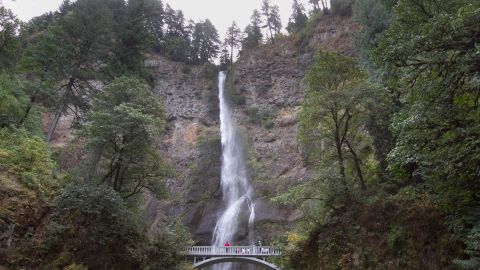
point(227, 244)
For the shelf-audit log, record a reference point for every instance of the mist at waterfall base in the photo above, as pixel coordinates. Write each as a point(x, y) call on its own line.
point(237, 191)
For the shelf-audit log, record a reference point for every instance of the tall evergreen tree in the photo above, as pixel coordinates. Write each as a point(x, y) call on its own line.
point(298, 19)
point(224, 57)
point(177, 42)
point(316, 5)
point(174, 22)
point(233, 38)
point(134, 39)
point(205, 42)
point(154, 22)
point(431, 54)
point(266, 12)
point(276, 20)
point(69, 55)
point(272, 18)
point(253, 32)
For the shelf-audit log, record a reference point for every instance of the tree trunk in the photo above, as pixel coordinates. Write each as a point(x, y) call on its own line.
point(231, 54)
point(341, 163)
point(54, 124)
point(357, 165)
point(29, 108)
point(116, 182)
point(61, 108)
point(270, 28)
point(94, 158)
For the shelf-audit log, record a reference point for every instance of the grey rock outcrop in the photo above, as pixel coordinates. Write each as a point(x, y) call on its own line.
point(265, 87)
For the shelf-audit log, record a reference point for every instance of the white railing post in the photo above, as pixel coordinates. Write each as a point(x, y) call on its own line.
point(233, 251)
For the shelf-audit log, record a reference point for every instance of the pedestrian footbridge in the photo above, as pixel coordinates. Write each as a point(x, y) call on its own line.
point(204, 256)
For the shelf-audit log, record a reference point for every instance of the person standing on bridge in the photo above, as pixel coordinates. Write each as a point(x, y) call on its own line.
point(227, 244)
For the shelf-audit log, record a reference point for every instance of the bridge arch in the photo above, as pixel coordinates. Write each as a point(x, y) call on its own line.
point(251, 260)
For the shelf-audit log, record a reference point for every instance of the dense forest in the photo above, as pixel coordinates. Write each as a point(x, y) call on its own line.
point(390, 133)
point(393, 136)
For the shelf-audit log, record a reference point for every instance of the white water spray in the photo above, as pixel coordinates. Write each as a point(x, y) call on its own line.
point(237, 192)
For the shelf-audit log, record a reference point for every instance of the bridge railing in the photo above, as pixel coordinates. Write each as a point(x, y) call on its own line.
point(260, 251)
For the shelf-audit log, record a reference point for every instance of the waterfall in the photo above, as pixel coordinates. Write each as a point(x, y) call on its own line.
point(237, 192)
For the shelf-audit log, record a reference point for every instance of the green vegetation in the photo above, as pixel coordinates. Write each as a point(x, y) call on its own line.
point(204, 178)
point(253, 32)
point(390, 136)
point(394, 148)
point(272, 19)
point(263, 117)
point(90, 220)
point(87, 60)
point(298, 19)
point(27, 158)
point(120, 130)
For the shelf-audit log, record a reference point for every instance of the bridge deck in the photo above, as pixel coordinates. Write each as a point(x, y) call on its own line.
point(232, 251)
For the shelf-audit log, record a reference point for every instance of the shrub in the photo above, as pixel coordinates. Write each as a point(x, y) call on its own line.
point(263, 117)
point(94, 226)
point(28, 158)
point(238, 99)
point(91, 227)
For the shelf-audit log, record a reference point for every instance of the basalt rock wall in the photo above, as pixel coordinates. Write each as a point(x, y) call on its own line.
point(266, 90)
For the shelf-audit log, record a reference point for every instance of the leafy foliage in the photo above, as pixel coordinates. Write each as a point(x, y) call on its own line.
point(28, 158)
point(13, 101)
point(431, 49)
point(88, 219)
point(332, 112)
point(121, 130)
point(420, 118)
point(9, 41)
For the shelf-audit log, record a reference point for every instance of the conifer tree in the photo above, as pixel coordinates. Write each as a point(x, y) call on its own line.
point(224, 57)
point(233, 38)
point(67, 55)
point(272, 19)
point(253, 32)
point(177, 42)
point(266, 12)
point(276, 20)
point(316, 5)
point(205, 42)
point(298, 19)
point(154, 22)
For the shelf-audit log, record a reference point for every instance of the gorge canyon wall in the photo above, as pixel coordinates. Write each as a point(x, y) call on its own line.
point(266, 91)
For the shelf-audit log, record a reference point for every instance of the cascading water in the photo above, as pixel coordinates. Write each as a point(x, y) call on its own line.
point(237, 192)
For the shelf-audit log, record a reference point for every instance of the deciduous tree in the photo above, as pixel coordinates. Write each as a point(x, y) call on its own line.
point(121, 128)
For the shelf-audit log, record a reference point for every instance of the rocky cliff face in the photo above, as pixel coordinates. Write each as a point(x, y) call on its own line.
point(265, 87)
point(191, 144)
